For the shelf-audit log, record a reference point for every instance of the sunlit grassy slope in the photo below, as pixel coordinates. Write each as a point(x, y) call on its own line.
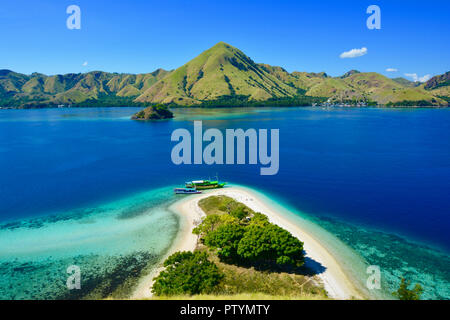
point(221, 71)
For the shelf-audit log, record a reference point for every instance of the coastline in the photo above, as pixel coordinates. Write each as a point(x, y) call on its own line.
point(190, 214)
point(335, 280)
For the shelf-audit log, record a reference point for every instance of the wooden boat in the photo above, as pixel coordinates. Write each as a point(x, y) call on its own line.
point(186, 191)
point(205, 184)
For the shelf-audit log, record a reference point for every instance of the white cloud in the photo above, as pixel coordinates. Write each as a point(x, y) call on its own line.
point(425, 78)
point(391, 70)
point(416, 78)
point(354, 53)
point(85, 64)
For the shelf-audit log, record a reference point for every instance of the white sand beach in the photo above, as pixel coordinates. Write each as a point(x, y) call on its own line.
point(190, 216)
point(336, 282)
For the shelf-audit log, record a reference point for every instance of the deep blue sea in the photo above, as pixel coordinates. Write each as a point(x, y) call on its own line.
point(378, 179)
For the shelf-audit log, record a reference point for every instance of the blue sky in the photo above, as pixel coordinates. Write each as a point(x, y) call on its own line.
point(141, 36)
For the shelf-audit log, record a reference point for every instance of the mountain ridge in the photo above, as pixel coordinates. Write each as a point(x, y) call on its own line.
point(222, 72)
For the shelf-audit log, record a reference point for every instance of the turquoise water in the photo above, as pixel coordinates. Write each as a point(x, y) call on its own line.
point(89, 187)
point(356, 247)
point(396, 256)
point(112, 243)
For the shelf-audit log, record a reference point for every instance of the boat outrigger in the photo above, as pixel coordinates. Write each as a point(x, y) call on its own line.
point(205, 184)
point(186, 191)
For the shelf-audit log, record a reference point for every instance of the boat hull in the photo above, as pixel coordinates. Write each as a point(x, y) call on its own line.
point(184, 191)
point(216, 186)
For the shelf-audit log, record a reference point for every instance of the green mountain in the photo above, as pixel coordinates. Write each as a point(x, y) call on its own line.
point(19, 90)
point(373, 86)
point(225, 71)
point(220, 71)
point(222, 75)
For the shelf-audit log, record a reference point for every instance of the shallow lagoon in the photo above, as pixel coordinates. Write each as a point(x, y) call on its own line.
point(113, 244)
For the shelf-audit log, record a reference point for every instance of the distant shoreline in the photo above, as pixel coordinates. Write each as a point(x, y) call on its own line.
point(174, 107)
point(336, 282)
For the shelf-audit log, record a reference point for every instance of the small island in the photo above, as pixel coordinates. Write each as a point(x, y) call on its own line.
point(239, 255)
point(156, 112)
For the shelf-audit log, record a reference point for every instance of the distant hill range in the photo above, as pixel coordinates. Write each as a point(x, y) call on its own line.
point(222, 75)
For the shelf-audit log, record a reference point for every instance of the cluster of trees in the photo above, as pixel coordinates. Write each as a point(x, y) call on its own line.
point(8, 101)
point(110, 101)
point(245, 101)
point(155, 112)
point(408, 103)
point(44, 102)
point(187, 273)
point(242, 236)
point(162, 110)
point(238, 235)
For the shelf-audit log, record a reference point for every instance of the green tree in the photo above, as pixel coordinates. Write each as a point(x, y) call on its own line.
point(162, 111)
point(270, 243)
point(259, 218)
point(225, 238)
point(239, 211)
point(210, 223)
point(187, 273)
point(403, 293)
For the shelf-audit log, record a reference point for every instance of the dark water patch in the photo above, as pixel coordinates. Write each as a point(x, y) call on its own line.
point(39, 222)
point(116, 281)
point(140, 208)
point(101, 277)
point(141, 205)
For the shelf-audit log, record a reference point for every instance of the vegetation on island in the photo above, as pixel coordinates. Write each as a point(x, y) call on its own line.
point(239, 253)
point(244, 237)
point(403, 293)
point(220, 76)
point(156, 112)
point(187, 273)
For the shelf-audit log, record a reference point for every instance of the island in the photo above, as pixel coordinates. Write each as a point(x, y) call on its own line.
point(233, 245)
point(156, 112)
